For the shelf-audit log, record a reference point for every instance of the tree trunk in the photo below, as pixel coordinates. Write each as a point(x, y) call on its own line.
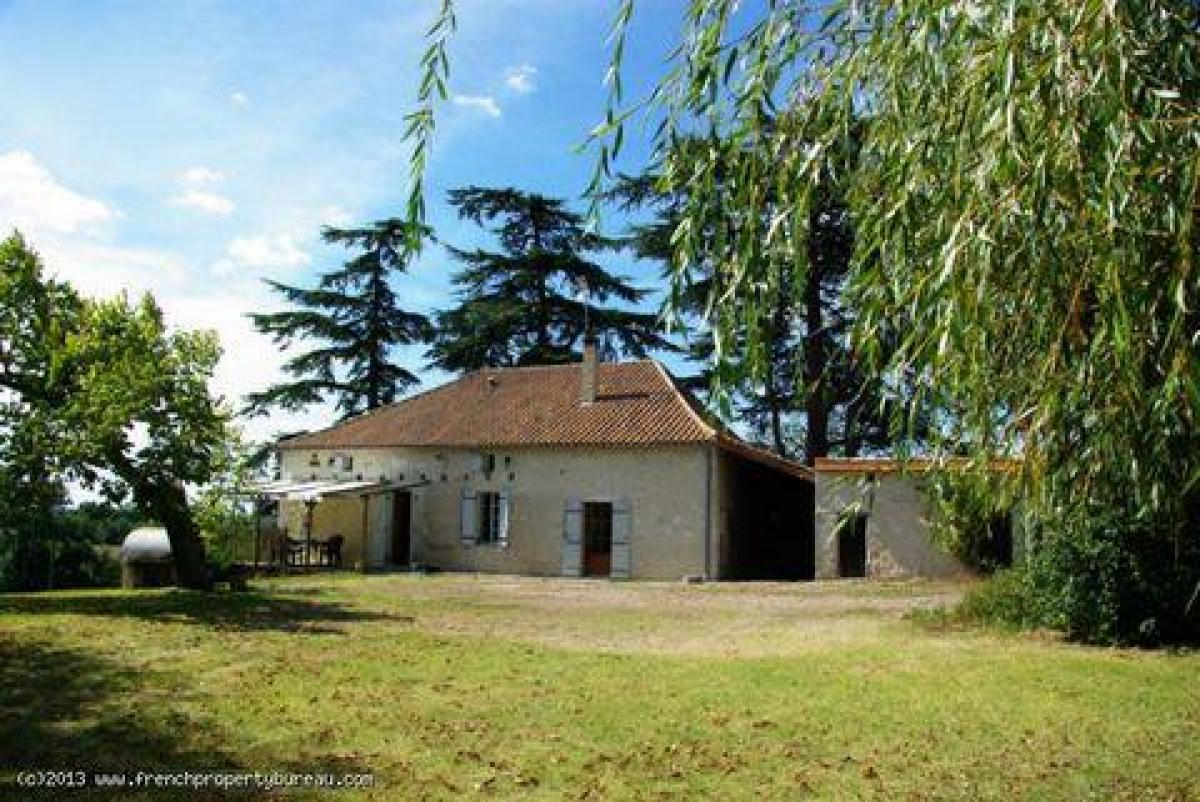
point(775, 404)
point(170, 506)
point(777, 429)
point(852, 434)
point(816, 407)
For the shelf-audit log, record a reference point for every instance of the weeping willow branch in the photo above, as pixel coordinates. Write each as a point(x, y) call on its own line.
point(420, 123)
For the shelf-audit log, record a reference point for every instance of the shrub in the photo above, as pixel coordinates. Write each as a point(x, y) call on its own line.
point(971, 517)
point(1109, 586)
point(55, 552)
point(1007, 599)
point(227, 529)
point(1118, 584)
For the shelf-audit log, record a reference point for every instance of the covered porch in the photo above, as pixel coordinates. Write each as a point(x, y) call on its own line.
point(331, 524)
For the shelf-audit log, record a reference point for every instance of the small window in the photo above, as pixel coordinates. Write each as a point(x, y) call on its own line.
point(488, 464)
point(314, 461)
point(489, 518)
point(347, 462)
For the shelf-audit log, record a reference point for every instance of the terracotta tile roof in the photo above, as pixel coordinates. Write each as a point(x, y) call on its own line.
point(885, 465)
point(735, 445)
point(637, 403)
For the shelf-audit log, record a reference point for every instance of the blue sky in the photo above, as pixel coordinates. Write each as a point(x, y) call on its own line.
point(193, 148)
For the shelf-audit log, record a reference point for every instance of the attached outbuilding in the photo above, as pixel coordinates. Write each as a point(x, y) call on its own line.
point(586, 469)
point(873, 520)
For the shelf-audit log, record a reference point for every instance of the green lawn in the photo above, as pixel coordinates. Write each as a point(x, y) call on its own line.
point(456, 687)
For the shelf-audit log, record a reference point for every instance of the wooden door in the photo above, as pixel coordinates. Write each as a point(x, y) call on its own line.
point(597, 538)
point(401, 527)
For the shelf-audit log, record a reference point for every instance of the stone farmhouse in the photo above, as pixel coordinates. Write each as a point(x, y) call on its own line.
point(587, 469)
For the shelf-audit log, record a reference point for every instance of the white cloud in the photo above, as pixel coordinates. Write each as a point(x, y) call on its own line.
point(72, 233)
point(201, 176)
point(250, 360)
point(204, 201)
point(224, 267)
point(267, 251)
point(334, 215)
point(239, 99)
point(521, 78)
point(100, 269)
point(485, 103)
point(196, 193)
point(32, 199)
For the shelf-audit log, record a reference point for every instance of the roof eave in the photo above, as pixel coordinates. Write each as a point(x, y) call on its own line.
point(764, 457)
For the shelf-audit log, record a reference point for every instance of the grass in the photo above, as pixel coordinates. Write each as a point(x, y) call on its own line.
point(460, 687)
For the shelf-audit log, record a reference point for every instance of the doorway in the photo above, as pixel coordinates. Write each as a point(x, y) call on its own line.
point(852, 546)
point(998, 550)
point(597, 538)
point(401, 527)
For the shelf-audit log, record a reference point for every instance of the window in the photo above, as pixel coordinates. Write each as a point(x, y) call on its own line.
point(314, 461)
point(347, 462)
point(484, 518)
point(489, 518)
point(487, 464)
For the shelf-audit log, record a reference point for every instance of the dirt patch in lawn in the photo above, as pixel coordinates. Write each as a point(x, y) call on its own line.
point(719, 619)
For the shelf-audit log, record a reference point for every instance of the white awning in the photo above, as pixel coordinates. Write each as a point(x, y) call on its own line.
point(315, 490)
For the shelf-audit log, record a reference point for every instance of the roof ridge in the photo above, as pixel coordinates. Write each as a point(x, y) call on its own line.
point(531, 404)
point(678, 393)
point(561, 366)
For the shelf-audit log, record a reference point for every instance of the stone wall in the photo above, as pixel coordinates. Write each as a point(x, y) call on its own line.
point(898, 541)
point(667, 488)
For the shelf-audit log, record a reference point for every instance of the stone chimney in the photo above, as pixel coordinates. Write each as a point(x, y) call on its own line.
point(588, 390)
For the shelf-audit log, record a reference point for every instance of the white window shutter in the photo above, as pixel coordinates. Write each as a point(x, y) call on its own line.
point(503, 515)
point(622, 539)
point(469, 509)
point(572, 554)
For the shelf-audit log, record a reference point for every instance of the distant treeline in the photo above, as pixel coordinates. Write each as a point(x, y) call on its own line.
point(76, 548)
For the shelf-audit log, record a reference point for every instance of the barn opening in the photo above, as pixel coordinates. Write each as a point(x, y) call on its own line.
point(997, 545)
point(769, 521)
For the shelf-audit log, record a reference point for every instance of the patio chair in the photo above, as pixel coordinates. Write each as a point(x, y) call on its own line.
point(277, 546)
point(333, 550)
point(295, 551)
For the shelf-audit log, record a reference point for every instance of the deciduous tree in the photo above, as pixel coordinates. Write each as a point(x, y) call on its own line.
point(119, 401)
